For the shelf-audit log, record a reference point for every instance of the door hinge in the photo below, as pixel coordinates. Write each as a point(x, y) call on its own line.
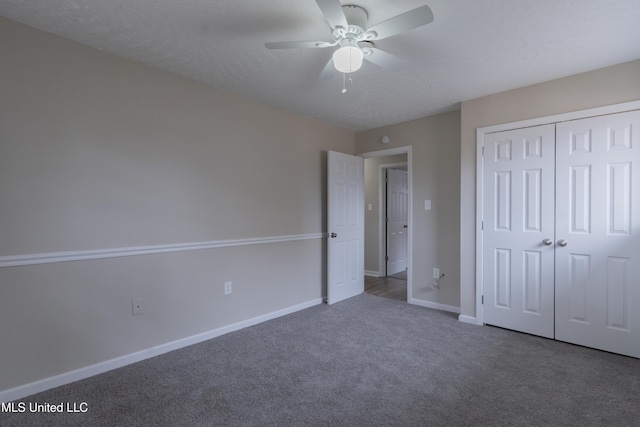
point(386, 219)
point(482, 225)
point(482, 300)
point(386, 258)
point(483, 151)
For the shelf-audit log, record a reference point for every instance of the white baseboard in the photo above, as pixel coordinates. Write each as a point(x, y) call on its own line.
point(467, 319)
point(435, 305)
point(89, 371)
point(371, 273)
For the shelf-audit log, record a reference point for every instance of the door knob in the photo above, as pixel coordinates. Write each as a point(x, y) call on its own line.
point(333, 235)
point(405, 226)
point(547, 242)
point(562, 243)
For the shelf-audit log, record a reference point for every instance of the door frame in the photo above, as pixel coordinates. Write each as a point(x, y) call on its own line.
point(480, 133)
point(390, 152)
point(382, 203)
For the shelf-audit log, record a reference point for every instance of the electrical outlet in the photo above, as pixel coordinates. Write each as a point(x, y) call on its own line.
point(137, 307)
point(436, 273)
point(228, 287)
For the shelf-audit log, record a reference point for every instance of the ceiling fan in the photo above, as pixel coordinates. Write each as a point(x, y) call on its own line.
point(355, 38)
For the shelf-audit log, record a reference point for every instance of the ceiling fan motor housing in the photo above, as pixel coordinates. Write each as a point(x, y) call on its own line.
point(357, 19)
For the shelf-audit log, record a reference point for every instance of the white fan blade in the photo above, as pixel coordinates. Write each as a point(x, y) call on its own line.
point(404, 22)
point(295, 45)
point(332, 10)
point(328, 71)
point(385, 60)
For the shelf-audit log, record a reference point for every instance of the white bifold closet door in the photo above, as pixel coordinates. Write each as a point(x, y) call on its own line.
point(598, 215)
point(561, 255)
point(519, 217)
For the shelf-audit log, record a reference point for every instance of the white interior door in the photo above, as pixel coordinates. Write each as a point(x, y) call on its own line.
point(397, 220)
point(345, 224)
point(518, 231)
point(598, 232)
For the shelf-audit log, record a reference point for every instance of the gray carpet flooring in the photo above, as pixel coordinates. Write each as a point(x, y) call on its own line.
point(365, 361)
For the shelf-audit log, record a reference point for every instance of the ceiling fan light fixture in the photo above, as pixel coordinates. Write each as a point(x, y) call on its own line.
point(348, 58)
point(351, 31)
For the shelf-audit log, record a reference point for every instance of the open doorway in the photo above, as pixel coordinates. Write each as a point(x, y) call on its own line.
point(387, 235)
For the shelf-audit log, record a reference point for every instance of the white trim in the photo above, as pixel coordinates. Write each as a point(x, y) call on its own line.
point(563, 117)
point(479, 219)
point(371, 273)
point(434, 305)
point(387, 152)
point(408, 150)
point(480, 133)
point(52, 257)
point(468, 319)
point(89, 371)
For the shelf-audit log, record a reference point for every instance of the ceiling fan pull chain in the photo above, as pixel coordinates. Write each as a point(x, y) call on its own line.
point(344, 82)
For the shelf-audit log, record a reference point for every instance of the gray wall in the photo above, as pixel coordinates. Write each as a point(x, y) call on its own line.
point(99, 152)
point(606, 86)
point(372, 217)
point(435, 145)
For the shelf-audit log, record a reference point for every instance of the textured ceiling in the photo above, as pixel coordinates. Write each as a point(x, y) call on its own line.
point(473, 48)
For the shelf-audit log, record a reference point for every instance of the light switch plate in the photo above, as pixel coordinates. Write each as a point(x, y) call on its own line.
point(427, 205)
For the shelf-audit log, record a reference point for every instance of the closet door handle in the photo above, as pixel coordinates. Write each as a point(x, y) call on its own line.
point(547, 242)
point(562, 243)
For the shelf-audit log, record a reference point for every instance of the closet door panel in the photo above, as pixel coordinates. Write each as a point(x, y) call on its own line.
point(598, 216)
point(518, 216)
